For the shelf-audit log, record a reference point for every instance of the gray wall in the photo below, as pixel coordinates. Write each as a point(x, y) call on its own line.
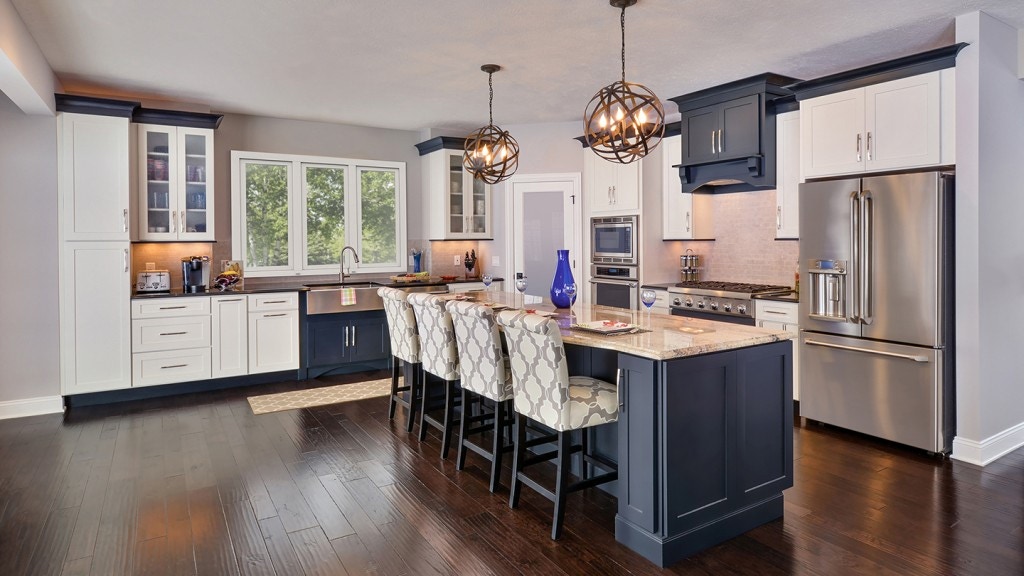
point(28, 255)
point(261, 134)
point(989, 237)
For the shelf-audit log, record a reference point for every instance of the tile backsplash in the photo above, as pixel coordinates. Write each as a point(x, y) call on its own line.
point(745, 248)
point(168, 255)
point(440, 259)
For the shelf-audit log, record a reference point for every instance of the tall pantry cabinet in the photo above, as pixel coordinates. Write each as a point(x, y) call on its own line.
point(94, 272)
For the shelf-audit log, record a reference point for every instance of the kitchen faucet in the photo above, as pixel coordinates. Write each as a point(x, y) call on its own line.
point(342, 260)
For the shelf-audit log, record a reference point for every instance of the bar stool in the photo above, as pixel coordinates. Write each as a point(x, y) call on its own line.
point(544, 392)
point(484, 373)
point(405, 347)
point(440, 357)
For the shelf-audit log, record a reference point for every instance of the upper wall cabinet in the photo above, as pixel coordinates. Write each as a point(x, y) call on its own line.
point(722, 131)
point(458, 206)
point(787, 207)
point(93, 176)
point(609, 187)
point(175, 183)
point(904, 123)
point(684, 215)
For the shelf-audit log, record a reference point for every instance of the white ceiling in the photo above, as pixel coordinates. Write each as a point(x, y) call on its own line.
point(415, 64)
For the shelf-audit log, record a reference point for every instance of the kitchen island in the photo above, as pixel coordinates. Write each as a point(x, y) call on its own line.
point(704, 440)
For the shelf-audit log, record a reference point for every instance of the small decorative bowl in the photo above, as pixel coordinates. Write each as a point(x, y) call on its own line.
point(448, 278)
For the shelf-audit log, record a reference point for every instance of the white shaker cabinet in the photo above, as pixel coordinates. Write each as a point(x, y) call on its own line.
point(458, 205)
point(95, 317)
point(609, 187)
point(92, 169)
point(273, 332)
point(170, 340)
point(230, 335)
point(176, 198)
point(684, 216)
point(782, 316)
point(905, 123)
point(787, 191)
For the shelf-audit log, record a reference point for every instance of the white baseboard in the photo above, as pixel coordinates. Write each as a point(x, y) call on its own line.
point(990, 449)
point(31, 407)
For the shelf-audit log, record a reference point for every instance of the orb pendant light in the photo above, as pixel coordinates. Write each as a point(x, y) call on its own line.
point(492, 154)
point(624, 121)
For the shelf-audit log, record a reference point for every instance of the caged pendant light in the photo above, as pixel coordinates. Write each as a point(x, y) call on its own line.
point(492, 154)
point(624, 121)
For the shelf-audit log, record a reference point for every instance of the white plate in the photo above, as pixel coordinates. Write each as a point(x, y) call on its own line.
point(605, 326)
point(543, 313)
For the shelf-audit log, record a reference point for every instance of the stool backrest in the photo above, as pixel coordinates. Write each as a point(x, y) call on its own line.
point(481, 363)
point(438, 351)
point(405, 339)
point(540, 372)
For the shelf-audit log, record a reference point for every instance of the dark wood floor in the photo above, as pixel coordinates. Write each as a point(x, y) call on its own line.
point(199, 485)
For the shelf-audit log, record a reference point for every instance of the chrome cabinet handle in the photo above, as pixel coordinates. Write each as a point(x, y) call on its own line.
point(124, 216)
point(778, 217)
point(174, 223)
point(775, 312)
point(855, 243)
point(346, 336)
point(915, 358)
point(619, 390)
point(126, 260)
point(712, 141)
point(687, 221)
point(615, 195)
point(174, 366)
point(858, 148)
point(353, 336)
point(173, 333)
point(172, 307)
point(274, 315)
point(721, 141)
point(275, 302)
point(230, 300)
point(867, 255)
point(182, 214)
point(869, 145)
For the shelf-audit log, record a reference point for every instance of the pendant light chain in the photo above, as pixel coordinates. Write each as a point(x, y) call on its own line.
point(490, 99)
point(622, 24)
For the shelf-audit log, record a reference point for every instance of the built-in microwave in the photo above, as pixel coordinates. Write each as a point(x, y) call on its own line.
point(613, 240)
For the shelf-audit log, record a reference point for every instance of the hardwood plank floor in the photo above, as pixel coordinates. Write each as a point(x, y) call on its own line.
point(197, 484)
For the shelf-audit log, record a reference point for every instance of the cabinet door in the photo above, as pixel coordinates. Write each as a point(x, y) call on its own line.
point(676, 212)
point(170, 366)
point(902, 123)
point(327, 338)
point(831, 134)
point(787, 206)
point(95, 319)
point(195, 184)
point(599, 177)
point(229, 336)
point(273, 341)
point(456, 197)
point(626, 189)
point(700, 135)
point(740, 127)
point(368, 339)
point(93, 177)
point(639, 450)
point(478, 209)
point(158, 182)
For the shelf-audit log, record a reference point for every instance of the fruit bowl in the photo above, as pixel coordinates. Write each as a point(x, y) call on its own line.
point(449, 278)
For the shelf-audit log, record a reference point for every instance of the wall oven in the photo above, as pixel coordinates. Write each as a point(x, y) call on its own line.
point(613, 240)
point(616, 286)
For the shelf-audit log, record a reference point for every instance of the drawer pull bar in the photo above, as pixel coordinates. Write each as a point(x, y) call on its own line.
point(231, 299)
point(172, 307)
point(174, 366)
point(914, 357)
point(173, 333)
point(276, 302)
point(273, 315)
point(776, 312)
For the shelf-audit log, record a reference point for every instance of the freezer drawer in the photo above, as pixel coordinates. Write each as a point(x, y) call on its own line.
point(886, 390)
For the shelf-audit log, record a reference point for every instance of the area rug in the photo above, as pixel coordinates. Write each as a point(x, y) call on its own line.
point(319, 396)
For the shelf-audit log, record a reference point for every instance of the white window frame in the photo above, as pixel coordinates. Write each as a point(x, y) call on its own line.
point(297, 247)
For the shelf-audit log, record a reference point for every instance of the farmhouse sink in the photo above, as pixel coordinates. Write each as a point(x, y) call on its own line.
point(337, 297)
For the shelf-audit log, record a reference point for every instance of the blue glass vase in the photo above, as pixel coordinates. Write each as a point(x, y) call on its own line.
point(416, 262)
point(563, 276)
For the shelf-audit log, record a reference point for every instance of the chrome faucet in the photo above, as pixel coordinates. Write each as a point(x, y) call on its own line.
point(342, 261)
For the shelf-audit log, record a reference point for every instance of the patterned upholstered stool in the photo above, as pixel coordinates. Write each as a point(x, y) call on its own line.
point(544, 392)
point(405, 347)
point(440, 357)
point(484, 373)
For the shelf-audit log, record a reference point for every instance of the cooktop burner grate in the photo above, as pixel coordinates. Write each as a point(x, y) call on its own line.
point(733, 286)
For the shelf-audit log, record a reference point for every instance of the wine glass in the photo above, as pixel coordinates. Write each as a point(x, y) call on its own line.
point(648, 296)
point(487, 278)
point(570, 290)
point(521, 286)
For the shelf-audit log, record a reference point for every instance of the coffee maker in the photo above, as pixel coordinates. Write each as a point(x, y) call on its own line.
point(195, 273)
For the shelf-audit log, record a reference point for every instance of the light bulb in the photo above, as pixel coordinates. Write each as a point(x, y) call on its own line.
point(603, 122)
point(619, 114)
point(641, 117)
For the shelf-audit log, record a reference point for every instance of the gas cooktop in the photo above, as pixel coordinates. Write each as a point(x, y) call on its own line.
point(738, 287)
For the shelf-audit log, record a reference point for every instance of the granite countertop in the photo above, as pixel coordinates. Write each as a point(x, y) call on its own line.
point(291, 285)
point(784, 297)
point(664, 337)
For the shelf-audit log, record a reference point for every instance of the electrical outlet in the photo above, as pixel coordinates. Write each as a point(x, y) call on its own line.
point(150, 266)
point(411, 261)
point(458, 260)
point(495, 261)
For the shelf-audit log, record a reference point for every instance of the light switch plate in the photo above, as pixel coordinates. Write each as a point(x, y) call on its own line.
point(495, 261)
point(458, 260)
point(150, 265)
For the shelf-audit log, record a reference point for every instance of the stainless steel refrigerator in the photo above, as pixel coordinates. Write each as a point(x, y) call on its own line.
point(876, 306)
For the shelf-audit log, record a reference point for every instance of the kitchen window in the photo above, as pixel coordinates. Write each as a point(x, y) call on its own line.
point(293, 214)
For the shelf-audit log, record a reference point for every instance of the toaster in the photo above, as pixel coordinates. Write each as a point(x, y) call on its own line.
point(153, 281)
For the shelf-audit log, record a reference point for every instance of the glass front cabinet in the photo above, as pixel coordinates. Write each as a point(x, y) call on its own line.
point(468, 201)
point(175, 183)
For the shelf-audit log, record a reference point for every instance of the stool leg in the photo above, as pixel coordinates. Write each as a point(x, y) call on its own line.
point(518, 454)
point(415, 389)
point(562, 482)
point(423, 404)
point(449, 417)
point(498, 447)
point(394, 388)
point(460, 460)
point(586, 468)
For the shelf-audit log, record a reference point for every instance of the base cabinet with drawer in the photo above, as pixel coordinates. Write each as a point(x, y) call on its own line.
point(782, 316)
point(170, 340)
point(229, 338)
point(273, 332)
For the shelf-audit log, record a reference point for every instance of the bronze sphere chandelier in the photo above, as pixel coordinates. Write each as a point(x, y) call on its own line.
point(624, 121)
point(492, 154)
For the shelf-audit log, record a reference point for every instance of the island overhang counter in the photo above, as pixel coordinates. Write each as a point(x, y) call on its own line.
point(704, 440)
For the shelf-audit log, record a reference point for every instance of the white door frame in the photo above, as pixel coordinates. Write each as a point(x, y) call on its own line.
point(574, 180)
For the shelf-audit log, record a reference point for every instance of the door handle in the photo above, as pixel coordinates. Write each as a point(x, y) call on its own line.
point(619, 390)
point(346, 336)
point(687, 221)
point(713, 141)
point(867, 255)
point(858, 147)
point(353, 336)
point(615, 195)
point(124, 217)
point(126, 260)
point(182, 214)
point(274, 315)
point(913, 357)
point(721, 141)
point(869, 146)
point(855, 245)
point(173, 366)
point(173, 333)
point(778, 217)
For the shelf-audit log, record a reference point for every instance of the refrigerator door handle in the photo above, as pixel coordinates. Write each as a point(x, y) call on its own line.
point(913, 357)
point(867, 253)
point(855, 240)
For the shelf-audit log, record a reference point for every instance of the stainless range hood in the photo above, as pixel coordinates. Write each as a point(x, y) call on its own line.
point(729, 134)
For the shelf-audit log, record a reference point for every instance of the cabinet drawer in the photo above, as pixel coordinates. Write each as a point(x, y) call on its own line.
point(169, 366)
point(169, 307)
point(274, 301)
point(782, 312)
point(149, 334)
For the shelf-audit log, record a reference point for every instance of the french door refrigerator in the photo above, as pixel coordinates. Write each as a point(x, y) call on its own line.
point(876, 313)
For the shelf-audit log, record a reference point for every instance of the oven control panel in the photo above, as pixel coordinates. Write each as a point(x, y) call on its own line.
point(713, 304)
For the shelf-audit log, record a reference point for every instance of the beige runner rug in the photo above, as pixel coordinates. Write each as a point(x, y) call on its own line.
point(320, 396)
